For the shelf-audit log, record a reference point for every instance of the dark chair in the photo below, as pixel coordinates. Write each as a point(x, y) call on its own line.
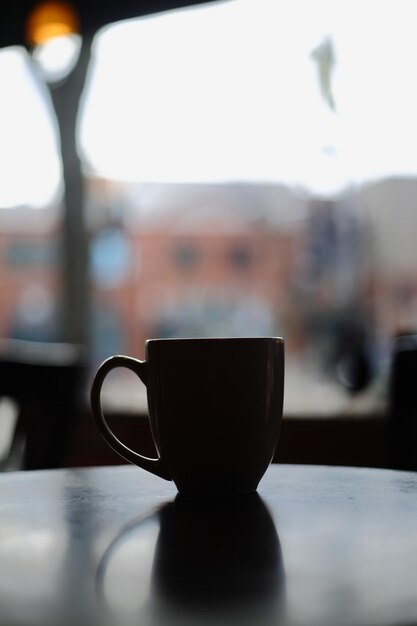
point(402, 432)
point(45, 381)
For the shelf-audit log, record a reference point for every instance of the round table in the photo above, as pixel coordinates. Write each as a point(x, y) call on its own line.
point(315, 546)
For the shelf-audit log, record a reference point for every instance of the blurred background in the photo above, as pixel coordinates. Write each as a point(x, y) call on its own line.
point(235, 168)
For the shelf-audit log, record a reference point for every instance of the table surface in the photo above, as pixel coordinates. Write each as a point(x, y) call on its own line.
point(315, 546)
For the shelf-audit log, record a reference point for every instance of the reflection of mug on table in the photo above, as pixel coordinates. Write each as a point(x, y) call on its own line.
point(216, 561)
point(215, 410)
point(219, 559)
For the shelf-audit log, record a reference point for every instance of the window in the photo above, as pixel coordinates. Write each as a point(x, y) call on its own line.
point(251, 170)
point(185, 256)
point(224, 166)
point(29, 158)
point(30, 211)
point(240, 256)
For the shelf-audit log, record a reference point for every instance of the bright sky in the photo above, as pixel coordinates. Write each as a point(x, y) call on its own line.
point(227, 92)
point(30, 170)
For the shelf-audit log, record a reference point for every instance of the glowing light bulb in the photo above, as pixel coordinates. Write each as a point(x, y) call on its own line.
point(49, 20)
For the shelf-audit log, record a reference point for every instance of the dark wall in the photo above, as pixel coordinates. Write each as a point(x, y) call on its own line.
point(337, 441)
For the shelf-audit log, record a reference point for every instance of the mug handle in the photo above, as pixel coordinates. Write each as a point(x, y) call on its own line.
point(140, 368)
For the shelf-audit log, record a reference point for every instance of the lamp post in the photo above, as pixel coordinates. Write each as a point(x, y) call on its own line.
point(75, 303)
point(48, 21)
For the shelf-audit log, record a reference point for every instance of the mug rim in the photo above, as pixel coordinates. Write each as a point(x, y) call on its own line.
point(212, 339)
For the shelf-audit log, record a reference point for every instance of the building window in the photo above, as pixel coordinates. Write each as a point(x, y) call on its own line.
point(241, 256)
point(186, 256)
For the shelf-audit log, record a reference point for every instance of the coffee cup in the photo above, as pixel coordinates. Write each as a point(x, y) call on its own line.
point(215, 408)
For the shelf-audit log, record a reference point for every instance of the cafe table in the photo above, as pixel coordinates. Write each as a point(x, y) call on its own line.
point(116, 545)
